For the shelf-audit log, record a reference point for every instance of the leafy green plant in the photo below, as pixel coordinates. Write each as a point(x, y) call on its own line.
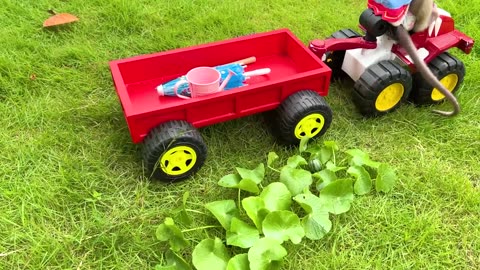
point(312, 186)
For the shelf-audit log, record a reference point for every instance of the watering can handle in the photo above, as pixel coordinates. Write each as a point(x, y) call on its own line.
point(177, 85)
point(257, 72)
point(245, 61)
point(224, 83)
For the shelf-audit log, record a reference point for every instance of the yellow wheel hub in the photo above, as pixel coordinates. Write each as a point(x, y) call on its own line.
point(309, 126)
point(389, 97)
point(450, 82)
point(178, 160)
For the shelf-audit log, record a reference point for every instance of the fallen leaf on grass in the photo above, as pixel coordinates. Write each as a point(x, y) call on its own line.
point(59, 19)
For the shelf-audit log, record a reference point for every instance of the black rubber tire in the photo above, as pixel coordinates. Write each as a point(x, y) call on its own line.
point(374, 80)
point(443, 65)
point(167, 136)
point(374, 25)
point(297, 107)
point(334, 60)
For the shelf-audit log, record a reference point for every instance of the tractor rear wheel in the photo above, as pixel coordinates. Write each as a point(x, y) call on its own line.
point(334, 60)
point(303, 114)
point(382, 88)
point(450, 72)
point(174, 151)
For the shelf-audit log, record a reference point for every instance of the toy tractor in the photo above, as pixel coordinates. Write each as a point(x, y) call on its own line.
point(383, 72)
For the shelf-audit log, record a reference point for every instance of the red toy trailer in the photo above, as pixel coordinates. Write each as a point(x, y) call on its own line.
point(167, 126)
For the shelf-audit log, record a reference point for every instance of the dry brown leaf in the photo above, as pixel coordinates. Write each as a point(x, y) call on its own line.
point(60, 18)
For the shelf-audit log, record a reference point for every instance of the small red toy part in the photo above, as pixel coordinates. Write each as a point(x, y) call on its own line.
point(59, 19)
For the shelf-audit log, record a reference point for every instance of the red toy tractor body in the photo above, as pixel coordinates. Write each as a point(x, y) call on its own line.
point(378, 64)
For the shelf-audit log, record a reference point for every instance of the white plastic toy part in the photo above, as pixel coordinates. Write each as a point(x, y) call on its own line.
point(257, 72)
point(358, 60)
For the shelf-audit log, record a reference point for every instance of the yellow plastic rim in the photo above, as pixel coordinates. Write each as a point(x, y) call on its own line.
point(309, 126)
point(389, 97)
point(450, 82)
point(178, 160)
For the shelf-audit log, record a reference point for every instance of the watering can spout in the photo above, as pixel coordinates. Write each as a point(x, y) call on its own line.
point(224, 83)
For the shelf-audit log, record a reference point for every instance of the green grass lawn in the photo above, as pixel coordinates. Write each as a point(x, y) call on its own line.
point(73, 194)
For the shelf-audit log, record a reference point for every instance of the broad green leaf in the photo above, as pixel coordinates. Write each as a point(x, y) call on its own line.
point(309, 202)
point(239, 262)
point(266, 254)
point(326, 154)
point(248, 185)
point(181, 215)
point(316, 225)
point(303, 144)
point(295, 161)
point(276, 196)
point(254, 206)
point(360, 158)
point(230, 181)
point(334, 168)
point(272, 157)
point(363, 182)
point(242, 234)
point(386, 178)
point(357, 153)
point(168, 231)
point(324, 177)
point(331, 144)
point(327, 151)
point(282, 226)
point(314, 150)
point(174, 262)
point(165, 267)
point(224, 211)
point(256, 175)
point(337, 196)
point(296, 180)
point(235, 181)
point(210, 254)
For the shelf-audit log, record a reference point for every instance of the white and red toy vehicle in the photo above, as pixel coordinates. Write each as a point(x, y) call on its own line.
point(383, 73)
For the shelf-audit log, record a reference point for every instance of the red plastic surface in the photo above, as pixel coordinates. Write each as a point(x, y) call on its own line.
point(293, 68)
point(320, 47)
point(447, 37)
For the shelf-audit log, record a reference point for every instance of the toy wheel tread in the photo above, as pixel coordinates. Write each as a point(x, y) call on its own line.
point(448, 69)
point(382, 88)
point(345, 33)
point(334, 60)
point(304, 113)
point(174, 151)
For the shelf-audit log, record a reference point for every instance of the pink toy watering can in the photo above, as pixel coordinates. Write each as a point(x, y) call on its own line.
point(202, 81)
point(237, 80)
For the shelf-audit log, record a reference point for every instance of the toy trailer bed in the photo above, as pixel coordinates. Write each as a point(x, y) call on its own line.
point(173, 148)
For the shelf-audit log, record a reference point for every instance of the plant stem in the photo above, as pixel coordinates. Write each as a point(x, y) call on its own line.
point(195, 211)
point(273, 169)
point(201, 228)
point(239, 203)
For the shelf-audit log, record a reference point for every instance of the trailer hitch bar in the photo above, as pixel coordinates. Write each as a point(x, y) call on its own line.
point(320, 47)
